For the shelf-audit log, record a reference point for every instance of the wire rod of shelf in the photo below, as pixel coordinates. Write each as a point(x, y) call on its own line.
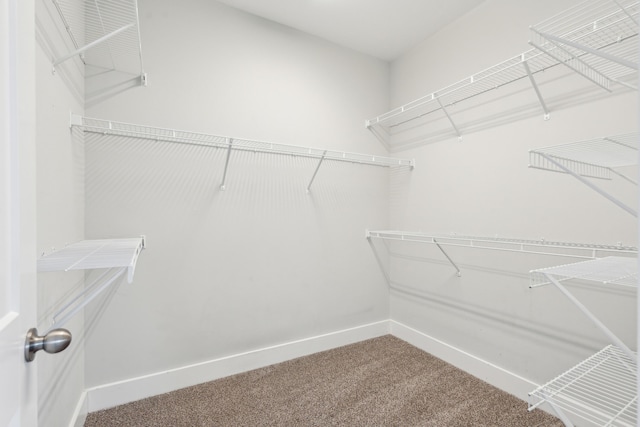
point(95, 254)
point(614, 270)
point(185, 137)
point(542, 247)
point(105, 33)
point(601, 389)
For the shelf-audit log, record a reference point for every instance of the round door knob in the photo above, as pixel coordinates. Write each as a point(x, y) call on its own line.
point(53, 342)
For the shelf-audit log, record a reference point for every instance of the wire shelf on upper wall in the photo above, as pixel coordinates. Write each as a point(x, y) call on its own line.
point(107, 127)
point(596, 39)
point(593, 158)
point(104, 33)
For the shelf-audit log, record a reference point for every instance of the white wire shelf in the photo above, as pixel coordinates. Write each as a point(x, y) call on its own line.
point(105, 33)
point(594, 38)
point(521, 66)
point(606, 34)
point(540, 247)
point(602, 389)
point(594, 158)
point(107, 127)
point(543, 247)
point(95, 254)
point(612, 270)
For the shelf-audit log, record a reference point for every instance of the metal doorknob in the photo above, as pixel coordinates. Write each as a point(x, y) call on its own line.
point(53, 342)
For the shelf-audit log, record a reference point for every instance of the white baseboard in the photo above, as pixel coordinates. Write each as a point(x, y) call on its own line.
point(121, 392)
point(81, 412)
point(479, 368)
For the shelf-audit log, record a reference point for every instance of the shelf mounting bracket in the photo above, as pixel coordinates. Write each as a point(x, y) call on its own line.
point(450, 119)
point(317, 169)
point(536, 89)
point(226, 164)
point(92, 44)
point(459, 273)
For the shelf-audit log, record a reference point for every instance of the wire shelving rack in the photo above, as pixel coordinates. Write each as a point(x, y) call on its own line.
point(104, 33)
point(596, 39)
point(539, 247)
point(594, 158)
point(601, 389)
point(230, 144)
point(117, 257)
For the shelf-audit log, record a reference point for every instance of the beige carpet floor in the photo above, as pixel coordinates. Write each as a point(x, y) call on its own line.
point(379, 382)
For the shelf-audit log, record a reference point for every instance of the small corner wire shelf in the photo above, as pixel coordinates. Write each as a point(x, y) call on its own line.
point(117, 257)
point(540, 247)
point(612, 270)
point(594, 158)
point(602, 389)
point(595, 39)
point(105, 33)
point(107, 127)
point(95, 254)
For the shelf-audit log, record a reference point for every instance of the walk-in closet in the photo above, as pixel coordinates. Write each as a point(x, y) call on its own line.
point(306, 212)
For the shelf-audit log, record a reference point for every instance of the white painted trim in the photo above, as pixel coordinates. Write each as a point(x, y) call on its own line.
point(120, 392)
point(81, 412)
point(479, 368)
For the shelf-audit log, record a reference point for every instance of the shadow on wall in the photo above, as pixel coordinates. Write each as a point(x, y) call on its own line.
point(493, 108)
point(103, 84)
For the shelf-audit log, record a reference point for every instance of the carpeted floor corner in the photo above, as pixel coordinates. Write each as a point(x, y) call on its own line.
point(379, 382)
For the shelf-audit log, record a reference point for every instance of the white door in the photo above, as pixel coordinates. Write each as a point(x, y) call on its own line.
point(17, 207)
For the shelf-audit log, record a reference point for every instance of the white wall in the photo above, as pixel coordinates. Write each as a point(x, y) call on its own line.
point(262, 263)
point(482, 186)
point(60, 211)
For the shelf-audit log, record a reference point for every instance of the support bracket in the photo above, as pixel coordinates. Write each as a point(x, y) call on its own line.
point(536, 89)
point(450, 119)
point(226, 164)
point(317, 169)
point(459, 273)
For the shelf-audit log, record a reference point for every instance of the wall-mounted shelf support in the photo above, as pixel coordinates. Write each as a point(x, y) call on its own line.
point(317, 169)
point(446, 113)
point(458, 272)
point(536, 89)
point(226, 164)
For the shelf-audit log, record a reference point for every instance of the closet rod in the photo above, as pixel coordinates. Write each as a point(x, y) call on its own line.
point(108, 127)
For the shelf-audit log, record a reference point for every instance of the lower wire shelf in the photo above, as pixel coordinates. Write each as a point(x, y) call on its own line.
point(602, 389)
